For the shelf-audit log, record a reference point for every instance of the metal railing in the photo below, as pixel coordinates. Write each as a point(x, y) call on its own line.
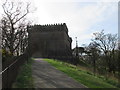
point(10, 73)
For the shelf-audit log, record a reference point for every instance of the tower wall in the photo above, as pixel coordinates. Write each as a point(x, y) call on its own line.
point(49, 41)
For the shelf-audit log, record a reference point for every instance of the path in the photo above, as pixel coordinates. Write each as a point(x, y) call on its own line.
point(47, 76)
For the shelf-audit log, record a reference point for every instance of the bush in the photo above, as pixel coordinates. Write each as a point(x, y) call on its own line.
point(5, 55)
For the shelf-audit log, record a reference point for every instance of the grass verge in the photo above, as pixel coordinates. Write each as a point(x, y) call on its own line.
point(24, 79)
point(84, 77)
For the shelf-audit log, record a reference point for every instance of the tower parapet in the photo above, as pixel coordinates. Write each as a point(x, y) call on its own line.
point(48, 27)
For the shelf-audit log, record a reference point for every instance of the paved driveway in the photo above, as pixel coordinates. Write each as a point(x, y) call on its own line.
point(47, 76)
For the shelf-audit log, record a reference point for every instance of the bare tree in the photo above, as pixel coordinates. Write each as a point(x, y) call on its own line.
point(94, 54)
point(13, 26)
point(107, 43)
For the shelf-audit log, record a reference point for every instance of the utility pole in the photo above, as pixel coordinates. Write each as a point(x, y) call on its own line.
point(119, 43)
point(76, 47)
point(77, 58)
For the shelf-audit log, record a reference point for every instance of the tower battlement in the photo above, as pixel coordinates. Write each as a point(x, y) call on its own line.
point(48, 27)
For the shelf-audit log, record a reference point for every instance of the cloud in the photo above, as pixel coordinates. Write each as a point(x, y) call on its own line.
point(80, 16)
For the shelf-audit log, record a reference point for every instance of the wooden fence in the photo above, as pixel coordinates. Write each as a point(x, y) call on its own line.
point(10, 73)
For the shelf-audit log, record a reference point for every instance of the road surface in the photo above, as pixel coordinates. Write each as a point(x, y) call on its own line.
point(47, 76)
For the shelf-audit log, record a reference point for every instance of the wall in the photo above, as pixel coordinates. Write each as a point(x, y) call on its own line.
point(50, 41)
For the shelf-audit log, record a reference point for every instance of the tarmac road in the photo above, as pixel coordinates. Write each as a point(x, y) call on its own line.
point(47, 76)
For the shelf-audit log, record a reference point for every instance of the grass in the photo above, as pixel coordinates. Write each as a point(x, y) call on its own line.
point(82, 76)
point(24, 79)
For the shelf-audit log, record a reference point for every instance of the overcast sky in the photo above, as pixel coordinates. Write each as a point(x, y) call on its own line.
point(82, 17)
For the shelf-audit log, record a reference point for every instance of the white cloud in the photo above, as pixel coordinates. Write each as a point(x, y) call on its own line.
point(79, 15)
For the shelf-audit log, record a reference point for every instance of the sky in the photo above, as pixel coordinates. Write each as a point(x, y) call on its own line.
point(82, 17)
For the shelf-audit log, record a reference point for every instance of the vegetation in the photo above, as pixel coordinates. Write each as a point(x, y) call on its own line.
point(24, 78)
point(13, 26)
point(82, 76)
point(5, 55)
point(102, 54)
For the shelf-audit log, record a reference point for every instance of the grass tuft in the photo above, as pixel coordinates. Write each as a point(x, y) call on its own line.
point(82, 76)
point(24, 79)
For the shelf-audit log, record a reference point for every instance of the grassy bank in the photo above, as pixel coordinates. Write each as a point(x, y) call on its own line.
point(84, 77)
point(24, 79)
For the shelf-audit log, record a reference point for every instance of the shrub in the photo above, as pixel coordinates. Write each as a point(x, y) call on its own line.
point(5, 55)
